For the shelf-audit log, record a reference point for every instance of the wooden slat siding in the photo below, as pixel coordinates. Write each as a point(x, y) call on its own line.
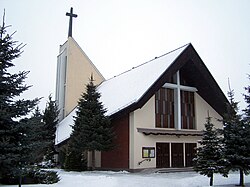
point(171, 108)
point(157, 115)
point(119, 156)
point(164, 108)
point(192, 112)
point(157, 109)
point(187, 110)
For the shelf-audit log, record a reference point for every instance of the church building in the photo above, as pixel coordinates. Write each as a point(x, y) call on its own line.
point(157, 109)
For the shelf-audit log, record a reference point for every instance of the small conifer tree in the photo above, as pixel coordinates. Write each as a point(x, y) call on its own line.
point(75, 159)
point(209, 156)
point(50, 120)
point(246, 132)
point(35, 136)
point(236, 140)
point(247, 100)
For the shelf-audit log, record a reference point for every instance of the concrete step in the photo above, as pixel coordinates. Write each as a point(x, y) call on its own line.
point(166, 170)
point(172, 170)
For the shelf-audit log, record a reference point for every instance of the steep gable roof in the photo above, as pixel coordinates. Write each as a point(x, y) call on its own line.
point(129, 87)
point(132, 89)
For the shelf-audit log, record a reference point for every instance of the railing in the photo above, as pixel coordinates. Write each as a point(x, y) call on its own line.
point(147, 159)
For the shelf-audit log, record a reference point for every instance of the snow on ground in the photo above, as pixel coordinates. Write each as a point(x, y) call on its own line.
point(126, 179)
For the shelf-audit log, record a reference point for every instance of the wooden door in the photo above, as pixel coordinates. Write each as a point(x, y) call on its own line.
point(162, 155)
point(177, 155)
point(190, 153)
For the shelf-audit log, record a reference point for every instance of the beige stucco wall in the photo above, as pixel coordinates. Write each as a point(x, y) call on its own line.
point(78, 72)
point(202, 108)
point(145, 118)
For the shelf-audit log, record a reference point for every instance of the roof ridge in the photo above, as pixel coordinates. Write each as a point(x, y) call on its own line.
point(171, 51)
point(144, 63)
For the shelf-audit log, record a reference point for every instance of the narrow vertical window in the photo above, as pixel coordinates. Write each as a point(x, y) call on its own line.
point(164, 108)
point(187, 110)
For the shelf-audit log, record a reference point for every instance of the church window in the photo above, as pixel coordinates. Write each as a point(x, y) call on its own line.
point(164, 105)
point(187, 110)
point(174, 105)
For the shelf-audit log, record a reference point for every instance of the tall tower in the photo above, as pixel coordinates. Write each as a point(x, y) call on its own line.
point(74, 69)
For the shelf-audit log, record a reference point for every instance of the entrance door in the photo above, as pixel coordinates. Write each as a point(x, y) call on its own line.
point(190, 153)
point(177, 155)
point(162, 155)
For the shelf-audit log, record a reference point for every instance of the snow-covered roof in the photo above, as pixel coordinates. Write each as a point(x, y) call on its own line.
point(125, 89)
point(128, 87)
point(64, 128)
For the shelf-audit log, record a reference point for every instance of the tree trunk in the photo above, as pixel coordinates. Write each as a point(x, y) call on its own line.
point(20, 181)
point(211, 179)
point(241, 177)
point(93, 159)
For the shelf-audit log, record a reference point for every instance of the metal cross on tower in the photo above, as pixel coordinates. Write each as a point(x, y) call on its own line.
point(71, 15)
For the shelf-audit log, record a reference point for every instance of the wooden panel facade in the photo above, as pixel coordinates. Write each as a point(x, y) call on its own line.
point(119, 157)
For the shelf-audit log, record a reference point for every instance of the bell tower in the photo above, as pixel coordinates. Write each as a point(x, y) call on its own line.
point(74, 69)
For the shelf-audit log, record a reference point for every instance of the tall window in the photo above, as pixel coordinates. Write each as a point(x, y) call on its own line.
point(187, 110)
point(174, 105)
point(164, 108)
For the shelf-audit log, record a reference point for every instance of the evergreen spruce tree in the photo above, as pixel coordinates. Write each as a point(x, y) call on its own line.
point(246, 129)
point(92, 130)
point(35, 136)
point(75, 159)
point(50, 119)
point(236, 140)
point(12, 149)
point(209, 158)
point(247, 100)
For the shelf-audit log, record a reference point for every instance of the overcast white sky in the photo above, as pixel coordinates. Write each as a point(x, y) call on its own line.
point(119, 34)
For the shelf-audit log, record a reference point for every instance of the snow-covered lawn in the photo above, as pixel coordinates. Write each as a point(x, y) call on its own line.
point(125, 179)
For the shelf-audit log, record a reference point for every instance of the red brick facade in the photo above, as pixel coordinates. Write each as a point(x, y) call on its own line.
point(118, 158)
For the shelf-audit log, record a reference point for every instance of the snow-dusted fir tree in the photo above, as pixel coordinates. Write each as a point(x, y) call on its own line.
point(75, 159)
point(50, 119)
point(209, 158)
point(35, 136)
point(92, 130)
point(247, 100)
point(236, 140)
point(12, 149)
point(246, 131)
